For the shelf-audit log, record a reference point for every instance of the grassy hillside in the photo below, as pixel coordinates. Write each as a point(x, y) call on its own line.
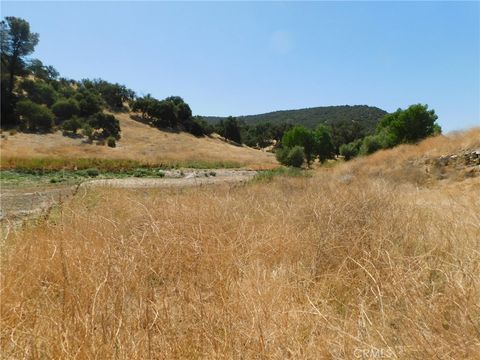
point(353, 260)
point(138, 142)
point(311, 117)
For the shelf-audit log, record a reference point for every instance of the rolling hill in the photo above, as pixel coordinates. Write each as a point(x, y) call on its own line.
point(138, 142)
point(311, 117)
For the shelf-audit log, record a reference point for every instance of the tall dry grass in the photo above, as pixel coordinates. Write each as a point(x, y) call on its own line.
point(309, 268)
point(296, 268)
point(404, 163)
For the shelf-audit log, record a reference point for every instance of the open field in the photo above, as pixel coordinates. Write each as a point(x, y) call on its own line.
point(139, 143)
point(353, 260)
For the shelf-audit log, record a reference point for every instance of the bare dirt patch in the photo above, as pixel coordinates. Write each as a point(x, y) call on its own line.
point(24, 202)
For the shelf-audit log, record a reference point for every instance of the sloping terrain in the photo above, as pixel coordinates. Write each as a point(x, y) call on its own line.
point(367, 116)
point(448, 158)
point(138, 142)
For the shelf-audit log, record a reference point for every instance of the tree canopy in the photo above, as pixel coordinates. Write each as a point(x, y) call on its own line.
point(17, 41)
point(409, 125)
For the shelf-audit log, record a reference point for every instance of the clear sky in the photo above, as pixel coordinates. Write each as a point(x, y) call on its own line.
point(244, 58)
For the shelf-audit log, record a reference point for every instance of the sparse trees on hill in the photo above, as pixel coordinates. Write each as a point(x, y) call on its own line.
point(172, 112)
point(114, 95)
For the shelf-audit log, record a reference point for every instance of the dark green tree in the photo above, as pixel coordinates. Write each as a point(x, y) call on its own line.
point(34, 117)
point(230, 129)
point(324, 148)
point(40, 71)
point(143, 105)
point(88, 102)
point(107, 124)
point(163, 113)
point(39, 91)
point(17, 41)
point(301, 136)
point(72, 125)
point(410, 125)
point(65, 109)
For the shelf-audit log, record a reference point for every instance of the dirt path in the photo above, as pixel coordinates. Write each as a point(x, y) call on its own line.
point(192, 178)
point(22, 203)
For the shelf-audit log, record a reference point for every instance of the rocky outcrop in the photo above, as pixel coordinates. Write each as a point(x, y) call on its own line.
point(460, 165)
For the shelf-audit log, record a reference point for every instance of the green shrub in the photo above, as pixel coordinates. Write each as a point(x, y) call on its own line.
point(92, 172)
point(72, 125)
point(111, 142)
point(281, 154)
point(34, 116)
point(370, 144)
point(65, 109)
point(141, 172)
point(294, 156)
point(87, 131)
point(350, 150)
point(268, 175)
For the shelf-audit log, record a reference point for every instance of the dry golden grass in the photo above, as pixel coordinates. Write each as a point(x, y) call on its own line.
point(403, 162)
point(310, 268)
point(139, 142)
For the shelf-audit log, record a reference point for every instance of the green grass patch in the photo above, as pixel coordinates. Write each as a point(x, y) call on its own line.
point(48, 164)
point(23, 177)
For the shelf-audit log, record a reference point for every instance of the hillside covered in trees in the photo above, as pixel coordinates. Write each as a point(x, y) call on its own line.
point(367, 116)
point(347, 123)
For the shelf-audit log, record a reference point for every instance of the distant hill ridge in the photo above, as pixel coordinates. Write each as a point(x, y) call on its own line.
point(368, 116)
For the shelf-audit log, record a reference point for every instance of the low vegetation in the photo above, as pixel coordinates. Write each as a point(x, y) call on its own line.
point(42, 177)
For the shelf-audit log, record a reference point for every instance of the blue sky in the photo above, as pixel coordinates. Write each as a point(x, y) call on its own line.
point(243, 58)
